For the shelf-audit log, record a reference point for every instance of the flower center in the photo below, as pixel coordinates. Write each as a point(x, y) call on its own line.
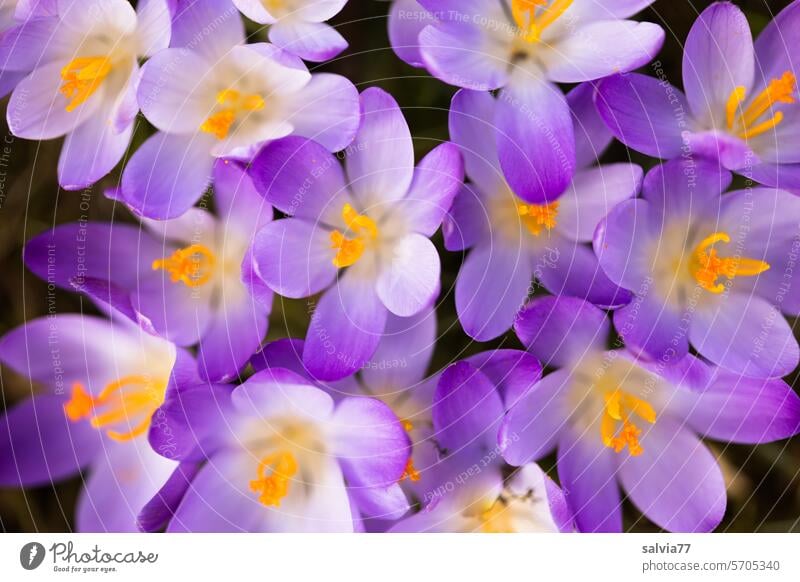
point(130, 399)
point(531, 24)
point(82, 77)
point(707, 267)
point(620, 407)
point(273, 476)
point(349, 250)
point(233, 103)
point(750, 122)
point(192, 265)
point(536, 217)
point(496, 519)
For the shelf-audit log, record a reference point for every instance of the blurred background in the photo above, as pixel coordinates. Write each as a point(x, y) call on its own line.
point(763, 481)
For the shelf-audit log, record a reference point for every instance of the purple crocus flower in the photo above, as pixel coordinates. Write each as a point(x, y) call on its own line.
point(524, 47)
point(714, 271)
point(79, 59)
point(299, 26)
point(281, 454)
point(395, 375)
point(187, 279)
point(211, 96)
point(102, 381)
point(466, 490)
point(740, 107)
point(616, 419)
point(513, 241)
point(364, 237)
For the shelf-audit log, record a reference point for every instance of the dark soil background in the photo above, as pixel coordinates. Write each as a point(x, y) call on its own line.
point(763, 481)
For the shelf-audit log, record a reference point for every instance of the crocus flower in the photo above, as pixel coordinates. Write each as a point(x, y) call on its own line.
point(187, 279)
point(468, 491)
point(281, 454)
point(740, 107)
point(364, 237)
point(618, 420)
point(709, 270)
point(298, 26)
point(80, 58)
point(513, 241)
point(101, 383)
point(523, 47)
point(216, 97)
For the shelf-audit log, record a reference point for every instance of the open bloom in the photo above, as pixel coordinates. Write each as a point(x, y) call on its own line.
point(617, 419)
point(221, 98)
point(513, 241)
point(101, 384)
point(741, 102)
point(466, 490)
point(281, 454)
point(187, 279)
point(523, 47)
point(298, 26)
point(80, 58)
point(365, 235)
point(395, 374)
point(711, 269)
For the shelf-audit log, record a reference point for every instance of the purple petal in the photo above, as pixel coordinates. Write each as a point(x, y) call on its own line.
point(491, 288)
point(345, 329)
point(326, 110)
point(586, 470)
point(160, 509)
point(732, 408)
point(40, 445)
point(644, 113)
point(294, 257)
point(388, 503)
point(785, 176)
point(467, 409)
point(534, 424)
point(467, 222)
point(380, 164)
point(194, 19)
point(650, 325)
point(283, 353)
point(121, 483)
point(568, 268)
point(535, 139)
point(404, 352)
point(167, 175)
point(745, 334)
point(598, 49)
point(717, 58)
point(369, 442)
point(592, 136)
point(410, 282)
point(240, 207)
point(732, 152)
point(561, 330)
point(437, 180)
point(406, 21)
point(776, 46)
point(312, 41)
point(513, 372)
point(676, 482)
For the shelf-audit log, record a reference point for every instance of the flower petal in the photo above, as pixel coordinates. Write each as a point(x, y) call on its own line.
point(410, 281)
point(311, 41)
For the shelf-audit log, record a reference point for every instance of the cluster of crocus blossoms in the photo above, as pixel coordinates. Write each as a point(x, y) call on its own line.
point(648, 308)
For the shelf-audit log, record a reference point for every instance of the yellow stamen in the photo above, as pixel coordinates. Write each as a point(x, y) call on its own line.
point(496, 519)
point(351, 249)
point(192, 265)
point(408, 426)
point(275, 486)
point(532, 25)
point(745, 124)
point(621, 407)
point(82, 77)
point(233, 104)
point(410, 472)
point(707, 266)
point(537, 217)
point(129, 397)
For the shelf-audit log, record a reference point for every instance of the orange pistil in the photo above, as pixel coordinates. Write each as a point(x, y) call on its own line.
point(349, 250)
point(273, 487)
point(532, 24)
point(750, 122)
point(537, 217)
point(707, 266)
point(82, 77)
point(233, 104)
point(193, 265)
point(621, 407)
